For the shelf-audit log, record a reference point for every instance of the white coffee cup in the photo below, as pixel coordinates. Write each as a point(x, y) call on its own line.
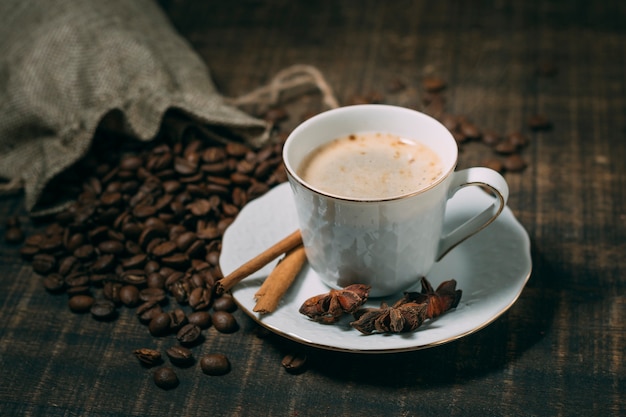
point(388, 243)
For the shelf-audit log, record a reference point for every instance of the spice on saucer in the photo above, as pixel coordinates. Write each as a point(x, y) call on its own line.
point(328, 308)
point(408, 313)
point(290, 242)
point(279, 280)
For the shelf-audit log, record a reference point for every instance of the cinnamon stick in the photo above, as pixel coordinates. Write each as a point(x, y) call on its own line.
point(279, 280)
point(258, 262)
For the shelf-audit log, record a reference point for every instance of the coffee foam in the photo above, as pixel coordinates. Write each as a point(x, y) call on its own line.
point(371, 165)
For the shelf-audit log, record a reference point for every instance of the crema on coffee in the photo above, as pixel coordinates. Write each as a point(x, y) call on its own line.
point(371, 165)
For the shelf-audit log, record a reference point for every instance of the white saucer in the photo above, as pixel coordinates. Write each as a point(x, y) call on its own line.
point(491, 268)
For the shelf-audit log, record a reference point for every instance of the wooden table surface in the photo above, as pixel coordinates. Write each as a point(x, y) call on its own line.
point(558, 351)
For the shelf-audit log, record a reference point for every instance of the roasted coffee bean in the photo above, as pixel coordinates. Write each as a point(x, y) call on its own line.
point(505, 147)
point(433, 84)
point(111, 246)
point(200, 298)
point(149, 234)
point(111, 198)
point(196, 280)
point(177, 319)
point(151, 266)
point(185, 240)
point(129, 295)
point(153, 244)
point(103, 264)
point(111, 291)
point(244, 169)
point(85, 252)
point(157, 224)
point(147, 311)
point(155, 280)
point(99, 279)
point(229, 210)
point(470, 130)
point(103, 310)
point(135, 262)
point(34, 240)
point(67, 265)
point(185, 167)
point(518, 139)
point(215, 364)
point(514, 163)
point(133, 248)
point(539, 122)
point(43, 263)
point(148, 357)
point(165, 378)
point(78, 290)
point(171, 186)
point(171, 276)
point(51, 244)
point(130, 162)
point(98, 234)
point(178, 261)
point(215, 168)
point(490, 138)
point(80, 303)
point(224, 322)
point(180, 355)
point(134, 277)
point(27, 252)
point(257, 189)
point(152, 294)
point(179, 292)
point(225, 303)
point(223, 224)
point(73, 241)
point(196, 251)
point(202, 319)
point(213, 154)
point(143, 211)
point(188, 334)
point(54, 283)
point(263, 169)
point(166, 248)
point(131, 230)
point(160, 324)
point(13, 235)
point(295, 363)
point(236, 149)
point(77, 279)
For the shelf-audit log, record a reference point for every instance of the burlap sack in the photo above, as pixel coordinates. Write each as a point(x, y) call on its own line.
point(65, 64)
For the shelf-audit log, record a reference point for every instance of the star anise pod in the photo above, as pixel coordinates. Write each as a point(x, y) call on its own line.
point(399, 318)
point(438, 301)
point(409, 312)
point(327, 308)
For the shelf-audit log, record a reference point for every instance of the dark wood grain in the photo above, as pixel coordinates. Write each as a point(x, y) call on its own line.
point(560, 349)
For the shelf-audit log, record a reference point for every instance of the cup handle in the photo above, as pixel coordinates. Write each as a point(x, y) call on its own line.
point(478, 176)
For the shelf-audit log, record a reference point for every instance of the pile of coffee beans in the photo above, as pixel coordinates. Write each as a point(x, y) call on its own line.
point(145, 233)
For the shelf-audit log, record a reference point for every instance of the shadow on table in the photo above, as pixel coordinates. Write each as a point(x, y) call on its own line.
point(475, 355)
